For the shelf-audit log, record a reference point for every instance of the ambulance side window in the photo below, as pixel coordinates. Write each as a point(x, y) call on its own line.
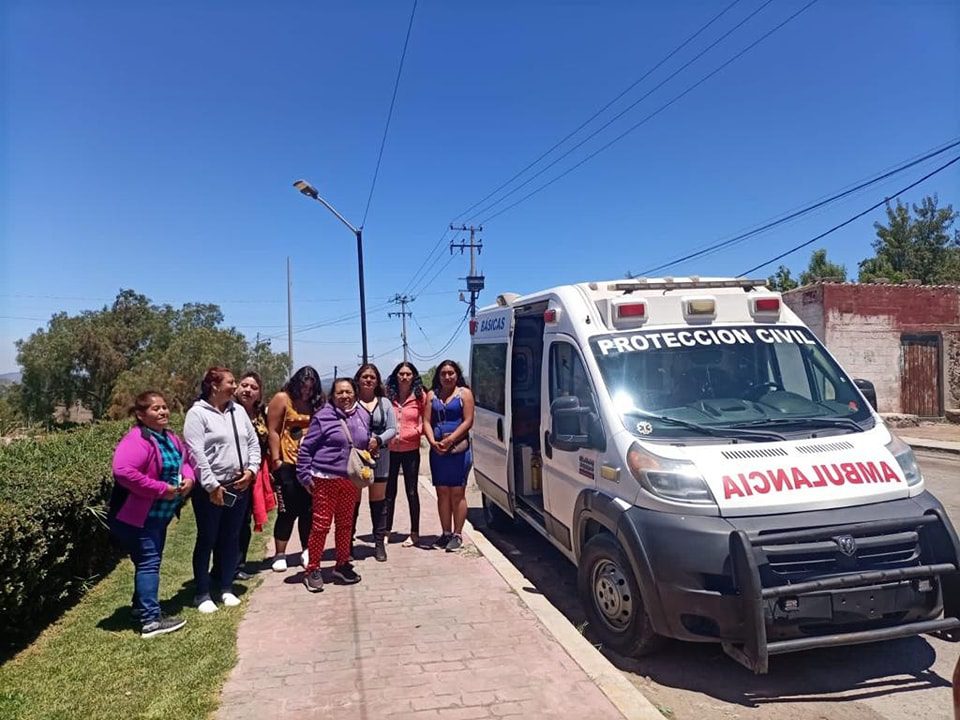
point(568, 377)
point(489, 375)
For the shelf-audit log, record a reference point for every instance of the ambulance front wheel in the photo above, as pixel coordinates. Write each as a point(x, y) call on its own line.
point(612, 600)
point(494, 517)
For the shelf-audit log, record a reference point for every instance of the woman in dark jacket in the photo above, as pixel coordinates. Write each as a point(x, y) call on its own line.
point(152, 477)
point(322, 470)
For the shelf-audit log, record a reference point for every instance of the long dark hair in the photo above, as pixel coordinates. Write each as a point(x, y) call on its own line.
point(461, 382)
point(393, 385)
point(213, 376)
point(378, 389)
point(295, 385)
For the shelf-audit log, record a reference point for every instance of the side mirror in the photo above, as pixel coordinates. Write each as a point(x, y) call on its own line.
point(868, 391)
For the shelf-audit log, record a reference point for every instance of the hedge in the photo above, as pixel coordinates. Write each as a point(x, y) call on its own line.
point(53, 539)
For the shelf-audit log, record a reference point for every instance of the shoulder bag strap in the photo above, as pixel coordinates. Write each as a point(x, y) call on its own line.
point(346, 431)
point(236, 435)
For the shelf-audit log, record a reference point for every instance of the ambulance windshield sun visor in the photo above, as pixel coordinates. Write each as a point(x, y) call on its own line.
point(749, 382)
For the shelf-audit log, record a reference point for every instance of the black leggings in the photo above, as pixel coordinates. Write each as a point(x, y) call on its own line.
point(297, 506)
point(410, 462)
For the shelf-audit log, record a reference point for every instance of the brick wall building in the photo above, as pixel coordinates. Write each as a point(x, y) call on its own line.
point(905, 339)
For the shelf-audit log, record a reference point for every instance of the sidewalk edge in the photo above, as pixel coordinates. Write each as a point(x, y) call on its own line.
point(624, 695)
point(942, 446)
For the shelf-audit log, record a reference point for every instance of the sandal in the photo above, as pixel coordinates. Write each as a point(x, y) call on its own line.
point(412, 540)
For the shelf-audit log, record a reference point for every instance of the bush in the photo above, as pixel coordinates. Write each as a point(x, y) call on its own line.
point(53, 537)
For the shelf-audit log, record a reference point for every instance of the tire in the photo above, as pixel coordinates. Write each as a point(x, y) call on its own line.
point(611, 598)
point(494, 517)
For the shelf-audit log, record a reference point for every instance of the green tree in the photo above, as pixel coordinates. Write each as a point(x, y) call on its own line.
point(104, 358)
point(10, 403)
point(427, 377)
point(822, 269)
point(917, 245)
point(781, 280)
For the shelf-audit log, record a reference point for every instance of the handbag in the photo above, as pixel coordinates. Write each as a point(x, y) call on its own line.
point(360, 463)
point(463, 444)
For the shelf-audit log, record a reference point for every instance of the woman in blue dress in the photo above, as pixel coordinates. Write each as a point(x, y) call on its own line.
point(447, 420)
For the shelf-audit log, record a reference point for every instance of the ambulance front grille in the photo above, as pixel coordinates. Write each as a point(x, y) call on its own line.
point(804, 561)
point(824, 447)
point(750, 454)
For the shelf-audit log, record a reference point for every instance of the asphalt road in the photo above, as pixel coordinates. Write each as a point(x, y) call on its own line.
point(908, 678)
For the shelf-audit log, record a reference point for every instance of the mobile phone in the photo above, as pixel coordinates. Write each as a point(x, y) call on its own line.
point(229, 498)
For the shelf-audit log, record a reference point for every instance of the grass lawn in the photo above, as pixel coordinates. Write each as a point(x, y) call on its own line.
point(92, 664)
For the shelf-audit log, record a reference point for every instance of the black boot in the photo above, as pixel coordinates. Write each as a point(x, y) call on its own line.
point(353, 528)
point(379, 519)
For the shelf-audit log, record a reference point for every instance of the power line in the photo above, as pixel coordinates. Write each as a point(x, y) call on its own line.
point(438, 273)
point(453, 338)
point(426, 260)
point(799, 213)
point(628, 108)
point(850, 220)
point(393, 100)
point(647, 118)
point(603, 109)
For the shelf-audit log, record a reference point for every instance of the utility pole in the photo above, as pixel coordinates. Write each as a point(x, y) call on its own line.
point(474, 281)
point(289, 315)
point(402, 301)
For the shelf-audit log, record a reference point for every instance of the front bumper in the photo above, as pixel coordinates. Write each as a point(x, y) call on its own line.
point(775, 584)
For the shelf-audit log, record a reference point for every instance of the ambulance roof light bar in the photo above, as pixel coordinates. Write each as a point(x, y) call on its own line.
point(692, 283)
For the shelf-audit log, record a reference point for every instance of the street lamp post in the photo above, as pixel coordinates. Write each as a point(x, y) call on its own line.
point(310, 191)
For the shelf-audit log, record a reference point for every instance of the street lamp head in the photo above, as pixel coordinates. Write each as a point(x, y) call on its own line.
point(306, 188)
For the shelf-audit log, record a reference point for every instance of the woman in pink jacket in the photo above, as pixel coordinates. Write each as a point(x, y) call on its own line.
point(152, 477)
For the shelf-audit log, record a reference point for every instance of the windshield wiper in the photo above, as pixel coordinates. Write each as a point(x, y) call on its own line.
point(837, 422)
point(715, 431)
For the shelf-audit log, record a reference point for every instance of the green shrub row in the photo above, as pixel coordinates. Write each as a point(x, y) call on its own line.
point(53, 538)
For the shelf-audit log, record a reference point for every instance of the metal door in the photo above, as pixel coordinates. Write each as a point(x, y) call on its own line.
point(920, 392)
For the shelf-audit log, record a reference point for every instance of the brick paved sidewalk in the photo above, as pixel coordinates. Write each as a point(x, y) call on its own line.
point(428, 634)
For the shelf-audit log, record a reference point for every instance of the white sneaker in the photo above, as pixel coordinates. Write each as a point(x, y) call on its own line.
point(280, 564)
point(229, 599)
point(305, 557)
point(207, 607)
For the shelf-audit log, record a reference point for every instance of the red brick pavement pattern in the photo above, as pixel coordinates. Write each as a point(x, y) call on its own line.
point(426, 635)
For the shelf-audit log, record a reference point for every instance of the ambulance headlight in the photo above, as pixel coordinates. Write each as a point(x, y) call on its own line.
point(905, 458)
point(676, 480)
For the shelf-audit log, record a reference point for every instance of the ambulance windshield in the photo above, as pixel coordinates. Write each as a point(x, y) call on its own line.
point(753, 377)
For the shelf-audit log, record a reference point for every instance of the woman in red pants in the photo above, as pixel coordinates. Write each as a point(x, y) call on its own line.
point(322, 470)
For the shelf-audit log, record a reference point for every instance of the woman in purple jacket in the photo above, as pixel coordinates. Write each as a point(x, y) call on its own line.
point(152, 477)
point(322, 470)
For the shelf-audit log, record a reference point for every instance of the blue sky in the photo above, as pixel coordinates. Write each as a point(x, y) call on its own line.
point(153, 147)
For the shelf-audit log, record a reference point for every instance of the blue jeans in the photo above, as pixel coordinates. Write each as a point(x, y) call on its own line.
point(145, 546)
point(218, 528)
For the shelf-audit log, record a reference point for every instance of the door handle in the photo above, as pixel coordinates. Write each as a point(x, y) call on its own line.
point(500, 429)
point(547, 450)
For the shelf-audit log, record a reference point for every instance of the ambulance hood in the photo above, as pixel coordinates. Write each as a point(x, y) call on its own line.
point(795, 476)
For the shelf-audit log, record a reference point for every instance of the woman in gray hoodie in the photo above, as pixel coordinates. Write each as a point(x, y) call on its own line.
point(226, 452)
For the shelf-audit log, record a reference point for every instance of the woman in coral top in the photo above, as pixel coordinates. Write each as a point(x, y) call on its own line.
point(405, 390)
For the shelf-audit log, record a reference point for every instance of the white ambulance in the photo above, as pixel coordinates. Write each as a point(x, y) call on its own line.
point(710, 469)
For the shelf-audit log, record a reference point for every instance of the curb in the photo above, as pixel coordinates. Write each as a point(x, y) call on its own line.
point(625, 696)
point(942, 446)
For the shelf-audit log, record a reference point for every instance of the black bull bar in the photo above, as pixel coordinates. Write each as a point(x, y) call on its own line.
point(940, 550)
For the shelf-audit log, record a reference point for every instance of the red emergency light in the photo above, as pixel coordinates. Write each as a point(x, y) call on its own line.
point(766, 306)
point(633, 311)
point(473, 326)
point(551, 316)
